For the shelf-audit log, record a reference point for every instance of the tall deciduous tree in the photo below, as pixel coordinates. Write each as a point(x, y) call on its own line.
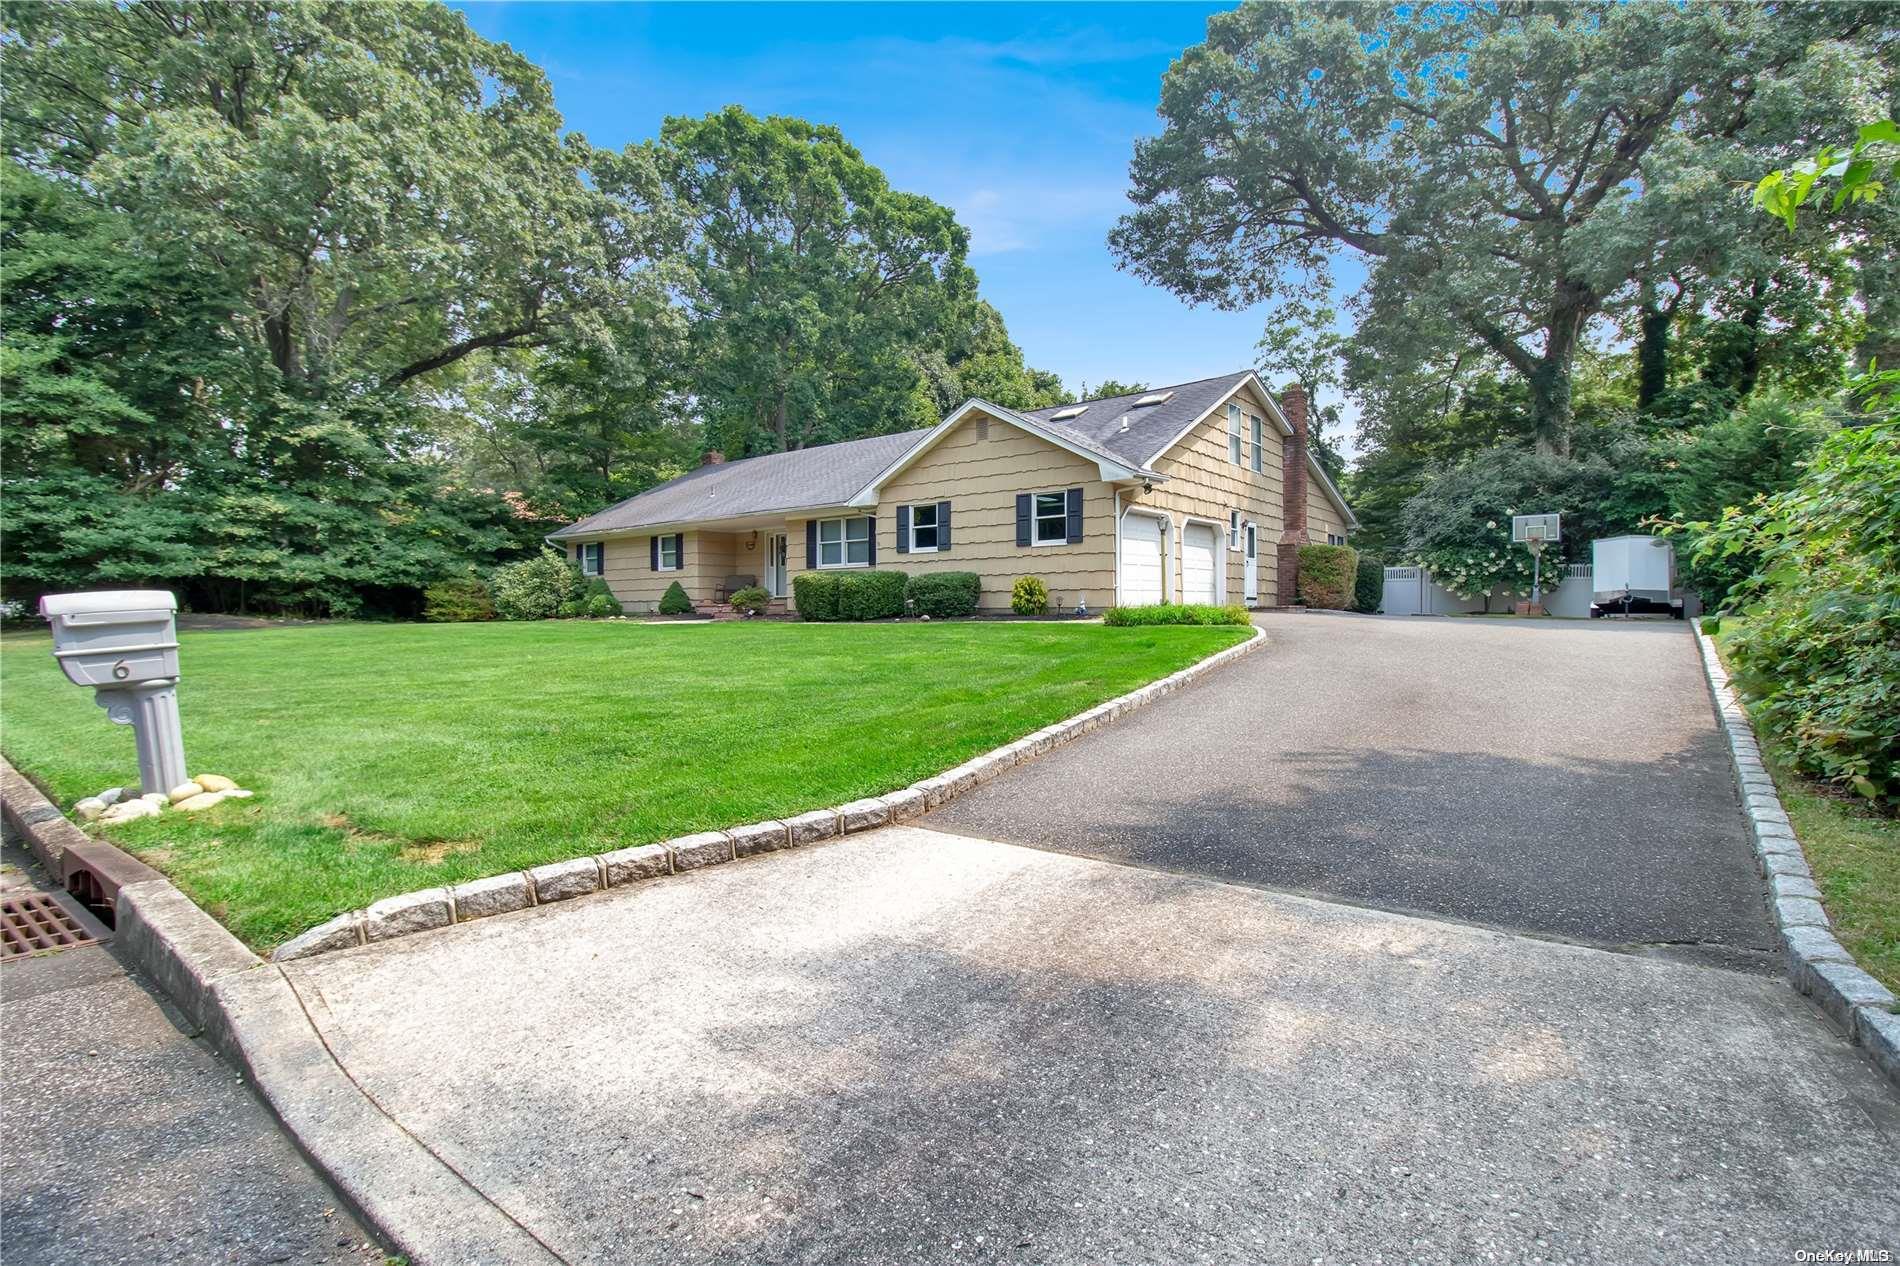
point(809, 281)
point(1488, 163)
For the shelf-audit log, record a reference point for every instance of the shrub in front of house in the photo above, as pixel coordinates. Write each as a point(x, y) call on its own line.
point(1326, 576)
point(674, 601)
point(1368, 586)
point(535, 588)
point(458, 601)
point(602, 605)
point(751, 600)
point(944, 595)
point(815, 594)
point(1029, 596)
point(1176, 613)
point(871, 595)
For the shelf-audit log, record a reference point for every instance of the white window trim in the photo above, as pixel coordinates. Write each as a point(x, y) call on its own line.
point(914, 547)
point(1258, 426)
point(1236, 441)
point(679, 552)
point(1035, 519)
point(844, 543)
point(592, 560)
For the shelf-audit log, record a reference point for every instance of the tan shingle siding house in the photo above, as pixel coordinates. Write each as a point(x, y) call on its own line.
point(1165, 494)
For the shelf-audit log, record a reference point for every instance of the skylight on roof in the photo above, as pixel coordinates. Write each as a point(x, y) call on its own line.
point(1063, 415)
point(1154, 397)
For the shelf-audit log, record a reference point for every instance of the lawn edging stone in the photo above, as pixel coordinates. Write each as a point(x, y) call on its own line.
point(253, 1018)
point(1818, 964)
point(581, 876)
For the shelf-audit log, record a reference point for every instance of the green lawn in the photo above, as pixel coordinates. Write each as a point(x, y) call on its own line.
point(392, 757)
point(1855, 856)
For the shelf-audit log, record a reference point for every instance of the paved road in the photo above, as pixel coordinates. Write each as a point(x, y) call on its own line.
point(1562, 779)
point(923, 1048)
point(127, 1140)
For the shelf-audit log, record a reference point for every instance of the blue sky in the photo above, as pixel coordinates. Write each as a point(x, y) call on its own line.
point(1021, 117)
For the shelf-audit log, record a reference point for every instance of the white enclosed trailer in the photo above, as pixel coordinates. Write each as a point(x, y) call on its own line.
point(1633, 575)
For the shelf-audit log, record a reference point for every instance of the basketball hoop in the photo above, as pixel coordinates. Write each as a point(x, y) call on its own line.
point(1534, 532)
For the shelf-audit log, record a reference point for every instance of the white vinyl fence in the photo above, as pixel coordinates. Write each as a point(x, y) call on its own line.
point(1412, 591)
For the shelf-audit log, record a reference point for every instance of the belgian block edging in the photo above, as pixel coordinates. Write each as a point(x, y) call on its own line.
point(434, 908)
point(1818, 965)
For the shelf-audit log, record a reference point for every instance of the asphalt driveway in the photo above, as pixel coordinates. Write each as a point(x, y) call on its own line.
point(909, 1047)
point(1558, 778)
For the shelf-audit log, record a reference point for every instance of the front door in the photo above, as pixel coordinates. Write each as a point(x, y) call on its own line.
point(775, 559)
point(1252, 565)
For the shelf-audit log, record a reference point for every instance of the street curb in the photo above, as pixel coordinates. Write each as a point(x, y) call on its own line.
point(433, 908)
point(1818, 965)
point(252, 1016)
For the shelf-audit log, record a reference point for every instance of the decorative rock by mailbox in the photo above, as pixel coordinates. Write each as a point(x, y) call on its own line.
point(124, 644)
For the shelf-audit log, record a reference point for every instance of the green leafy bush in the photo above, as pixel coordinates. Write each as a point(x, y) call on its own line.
point(945, 594)
point(751, 600)
point(1029, 596)
point(1176, 613)
point(601, 605)
point(674, 601)
point(458, 601)
point(871, 595)
point(1327, 577)
point(1816, 649)
point(572, 609)
point(535, 588)
point(815, 594)
point(1368, 585)
point(1711, 624)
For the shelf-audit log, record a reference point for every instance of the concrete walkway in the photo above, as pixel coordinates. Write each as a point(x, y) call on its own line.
point(1563, 778)
point(915, 1047)
point(127, 1140)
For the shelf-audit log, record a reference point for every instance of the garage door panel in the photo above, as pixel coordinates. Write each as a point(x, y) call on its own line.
point(1141, 566)
point(1200, 555)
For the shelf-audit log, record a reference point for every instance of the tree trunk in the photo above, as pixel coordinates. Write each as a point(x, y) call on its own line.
point(1652, 351)
point(1550, 382)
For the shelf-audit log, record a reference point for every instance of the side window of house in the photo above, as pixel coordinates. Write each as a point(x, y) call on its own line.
point(1234, 441)
point(1259, 441)
point(923, 528)
point(591, 558)
point(844, 542)
point(669, 553)
point(1052, 519)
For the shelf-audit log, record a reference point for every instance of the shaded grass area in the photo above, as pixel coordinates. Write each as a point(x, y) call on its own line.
point(1855, 855)
point(393, 757)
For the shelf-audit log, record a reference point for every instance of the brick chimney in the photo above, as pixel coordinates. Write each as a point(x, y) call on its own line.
point(713, 457)
point(1293, 494)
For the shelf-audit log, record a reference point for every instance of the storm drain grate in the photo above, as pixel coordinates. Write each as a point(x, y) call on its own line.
point(34, 921)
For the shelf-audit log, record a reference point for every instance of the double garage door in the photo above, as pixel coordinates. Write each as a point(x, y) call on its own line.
point(1143, 573)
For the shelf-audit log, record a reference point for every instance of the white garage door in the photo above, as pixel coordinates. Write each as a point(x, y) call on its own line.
point(1200, 554)
point(1141, 560)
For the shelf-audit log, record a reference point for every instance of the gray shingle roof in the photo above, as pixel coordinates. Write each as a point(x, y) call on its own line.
point(1149, 427)
point(824, 476)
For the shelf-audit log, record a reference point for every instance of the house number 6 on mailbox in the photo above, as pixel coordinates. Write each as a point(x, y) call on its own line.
point(121, 670)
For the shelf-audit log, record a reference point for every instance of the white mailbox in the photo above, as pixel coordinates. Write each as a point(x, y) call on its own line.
point(124, 644)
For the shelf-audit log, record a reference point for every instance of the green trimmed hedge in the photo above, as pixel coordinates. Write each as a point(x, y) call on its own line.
point(1029, 596)
point(752, 600)
point(1176, 613)
point(871, 595)
point(1368, 586)
point(815, 594)
point(458, 601)
point(945, 595)
point(1327, 575)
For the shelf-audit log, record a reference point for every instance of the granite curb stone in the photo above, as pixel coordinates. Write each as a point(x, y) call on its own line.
point(561, 881)
point(1818, 965)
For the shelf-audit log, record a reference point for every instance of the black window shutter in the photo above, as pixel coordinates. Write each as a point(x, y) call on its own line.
point(943, 525)
point(903, 529)
point(1075, 515)
point(679, 551)
point(811, 544)
point(872, 520)
point(654, 542)
point(1022, 518)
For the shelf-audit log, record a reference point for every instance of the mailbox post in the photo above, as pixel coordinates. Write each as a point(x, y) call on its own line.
point(124, 644)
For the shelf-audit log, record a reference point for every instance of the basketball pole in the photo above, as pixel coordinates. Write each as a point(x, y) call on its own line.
point(1537, 573)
